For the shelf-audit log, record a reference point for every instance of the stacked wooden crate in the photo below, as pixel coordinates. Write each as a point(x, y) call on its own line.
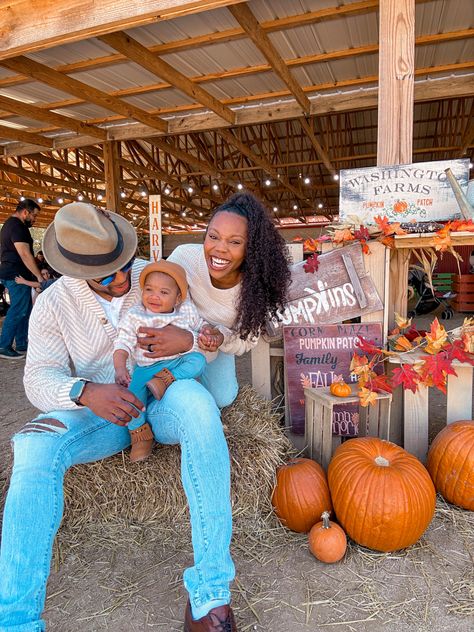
point(463, 286)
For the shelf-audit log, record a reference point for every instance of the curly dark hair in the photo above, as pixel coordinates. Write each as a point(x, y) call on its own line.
point(266, 272)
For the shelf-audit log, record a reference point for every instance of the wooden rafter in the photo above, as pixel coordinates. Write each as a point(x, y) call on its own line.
point(21, 136)
point(52, 118)
point(50, 77)
point(308, 128)
point(138, 53)
point(249, 23)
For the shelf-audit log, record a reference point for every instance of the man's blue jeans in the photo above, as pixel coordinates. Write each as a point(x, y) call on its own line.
point(44, 449)
point(15, 325)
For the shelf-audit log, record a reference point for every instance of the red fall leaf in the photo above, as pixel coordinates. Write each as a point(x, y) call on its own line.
point(312, 264)
point(406, 376)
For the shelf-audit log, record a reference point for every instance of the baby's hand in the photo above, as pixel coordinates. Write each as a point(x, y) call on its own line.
point(210, 338)
point(122, 377)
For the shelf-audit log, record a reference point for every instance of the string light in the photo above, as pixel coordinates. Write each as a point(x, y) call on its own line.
point(307, 180)
point(22, 198)
point(60, 200)
point(275, 209)
point(215, 187)
point(143, 193)
point(240, 186)
point(201, 213)
point(268, 182)
point(190, 190)
point(80, 197)
point(122, 194)
point(99, 197)
point(167, 191)
point(335, 176)
point(183, 214)
point(295, 207)
point(40, 200)
point(320, 205)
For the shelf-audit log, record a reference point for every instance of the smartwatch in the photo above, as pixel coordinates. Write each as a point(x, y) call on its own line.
point(77, 390)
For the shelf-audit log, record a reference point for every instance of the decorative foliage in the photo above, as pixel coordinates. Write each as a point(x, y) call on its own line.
point(327, 541)
point(301, 494)
point(383, 496)
point(312, 264)
point(426, 358)
point(451, 463)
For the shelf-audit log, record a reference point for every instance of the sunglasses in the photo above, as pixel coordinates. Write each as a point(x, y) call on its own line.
point(108, 279)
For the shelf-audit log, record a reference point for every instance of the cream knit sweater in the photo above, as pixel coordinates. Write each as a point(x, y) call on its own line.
point(214, 305)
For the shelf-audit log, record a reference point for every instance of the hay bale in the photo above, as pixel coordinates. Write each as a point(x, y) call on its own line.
point(115, 489)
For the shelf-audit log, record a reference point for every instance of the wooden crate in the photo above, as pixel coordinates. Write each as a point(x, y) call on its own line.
point(320, 443)
point(416, 405)
point(463, 286)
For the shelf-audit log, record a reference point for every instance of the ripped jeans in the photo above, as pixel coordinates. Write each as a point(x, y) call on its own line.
point(46, 447)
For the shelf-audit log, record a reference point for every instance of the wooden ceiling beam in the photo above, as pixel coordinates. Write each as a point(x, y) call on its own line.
point(445, 88)
point(40, 114)
point(249, 23)
point(23, 136)
point(217, 37)
point(308, 128)
point(138, 53)
point(50, 77)
point(67, 21)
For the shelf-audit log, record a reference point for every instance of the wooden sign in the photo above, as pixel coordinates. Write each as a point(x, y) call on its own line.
point(403, 193)
point(314, 355)
point(156, 249)
point(340, 289)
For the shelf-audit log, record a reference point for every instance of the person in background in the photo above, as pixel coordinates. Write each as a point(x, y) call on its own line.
point(37, 287)
point(17, 259)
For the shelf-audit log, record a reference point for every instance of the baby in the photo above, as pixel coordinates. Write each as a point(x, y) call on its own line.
point(164, 288)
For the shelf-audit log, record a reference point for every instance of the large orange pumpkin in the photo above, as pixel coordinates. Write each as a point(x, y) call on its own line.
point(301, 494)
point(383, 496)
point(451, 463)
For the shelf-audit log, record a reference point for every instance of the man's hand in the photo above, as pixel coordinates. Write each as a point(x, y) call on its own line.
point(210, 338)
point(112, 402)
point(166, 341)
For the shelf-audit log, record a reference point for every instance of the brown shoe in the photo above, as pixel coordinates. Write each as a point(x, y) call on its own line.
point(142, 443)
point(160, 382)
point(219, 619)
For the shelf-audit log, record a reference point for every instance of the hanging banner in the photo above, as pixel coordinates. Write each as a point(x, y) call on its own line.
point(156, 249)
point(403, 193)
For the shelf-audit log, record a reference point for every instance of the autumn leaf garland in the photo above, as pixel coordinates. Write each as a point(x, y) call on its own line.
point(437, 349)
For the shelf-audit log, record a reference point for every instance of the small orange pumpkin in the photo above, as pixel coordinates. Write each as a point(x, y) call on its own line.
point(340, 389)
point(327, 541)
point(383, 496)
point(400, 206)
point(301, 494)
point(451, 463)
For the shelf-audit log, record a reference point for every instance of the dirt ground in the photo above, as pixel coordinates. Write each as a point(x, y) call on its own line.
point(127, 577)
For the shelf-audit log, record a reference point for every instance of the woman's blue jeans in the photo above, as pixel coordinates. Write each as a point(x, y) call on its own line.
point(46, 447)
point(15, 325)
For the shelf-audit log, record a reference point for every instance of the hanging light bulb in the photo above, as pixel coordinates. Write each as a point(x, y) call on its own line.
point(307, 180)
point(215, 187)
point(40, 200)
point(183, 214)
point(335, 176)
point(240, 186)
point(22, 198)
point(167, 191)
point(295, 207)
point(143, 193)
point(80, 197)
point(100, 196)
point(60, 200)
point(320, 205)
point(268, 182)
point(275, 209)
point(190, 190)
point(122, 194)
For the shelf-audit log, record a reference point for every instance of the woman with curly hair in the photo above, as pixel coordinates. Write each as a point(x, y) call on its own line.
point(237, 279)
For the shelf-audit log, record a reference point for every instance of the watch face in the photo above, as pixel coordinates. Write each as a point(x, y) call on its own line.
point(76, 390)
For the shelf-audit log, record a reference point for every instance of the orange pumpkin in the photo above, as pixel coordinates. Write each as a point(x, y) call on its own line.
point(301, 494)
point(400, 206)
point(451, 463)
point(340, 389)
point(327, 541)
point(383, 496)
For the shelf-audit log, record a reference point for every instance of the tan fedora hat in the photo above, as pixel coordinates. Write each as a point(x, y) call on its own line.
point(84, 242)
point(174, 270)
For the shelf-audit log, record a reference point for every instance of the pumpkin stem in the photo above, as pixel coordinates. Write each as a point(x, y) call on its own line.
point(325, 519)
point(382, 461)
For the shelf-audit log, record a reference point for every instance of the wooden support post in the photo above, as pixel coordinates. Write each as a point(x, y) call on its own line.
point(112, 175)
